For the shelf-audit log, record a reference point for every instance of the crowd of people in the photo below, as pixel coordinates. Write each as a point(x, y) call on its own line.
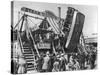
point(58, 62)
point(65, 62)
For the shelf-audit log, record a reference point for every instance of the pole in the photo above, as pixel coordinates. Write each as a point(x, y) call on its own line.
point(53, 48)
point(59, 15)
point(59, 12)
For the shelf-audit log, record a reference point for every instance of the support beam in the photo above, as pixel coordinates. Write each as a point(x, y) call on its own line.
point(18, 22)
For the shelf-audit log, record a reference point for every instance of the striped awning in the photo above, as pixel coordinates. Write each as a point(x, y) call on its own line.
point(53, 25)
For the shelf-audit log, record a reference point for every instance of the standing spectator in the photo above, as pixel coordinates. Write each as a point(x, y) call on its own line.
point(77, 67)
point(56, 65)
point(92, 60)
point(51, 62)
point(40, 63)
point(22, 65)
point(82, 61)
point(71, 63)
point(14, 66)
point(62, 63)
point(45, 62)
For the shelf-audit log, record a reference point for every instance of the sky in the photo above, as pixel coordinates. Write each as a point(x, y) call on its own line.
point(90, 12)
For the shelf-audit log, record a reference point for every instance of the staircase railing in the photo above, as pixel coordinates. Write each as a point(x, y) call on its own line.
point(32, 38)
point(20, 42)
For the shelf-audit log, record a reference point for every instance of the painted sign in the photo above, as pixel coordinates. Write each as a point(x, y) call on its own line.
point(33, 11)
point(43, 45)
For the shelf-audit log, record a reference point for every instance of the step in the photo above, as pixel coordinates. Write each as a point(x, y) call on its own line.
point(26, 49)
point(31, 57)
point(28, 55)
point(30, 69)
point(30, 66)
point(26, 46)
point(29, 63)
point(31, 54)
point(29, 60)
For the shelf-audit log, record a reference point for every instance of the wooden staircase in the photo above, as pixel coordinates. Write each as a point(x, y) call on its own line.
point(29, 57)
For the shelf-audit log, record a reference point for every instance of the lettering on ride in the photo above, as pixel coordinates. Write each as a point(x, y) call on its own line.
point(33, 11)
point(43, 45)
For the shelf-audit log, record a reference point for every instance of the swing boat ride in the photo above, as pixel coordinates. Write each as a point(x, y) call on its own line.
point(53, 34)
